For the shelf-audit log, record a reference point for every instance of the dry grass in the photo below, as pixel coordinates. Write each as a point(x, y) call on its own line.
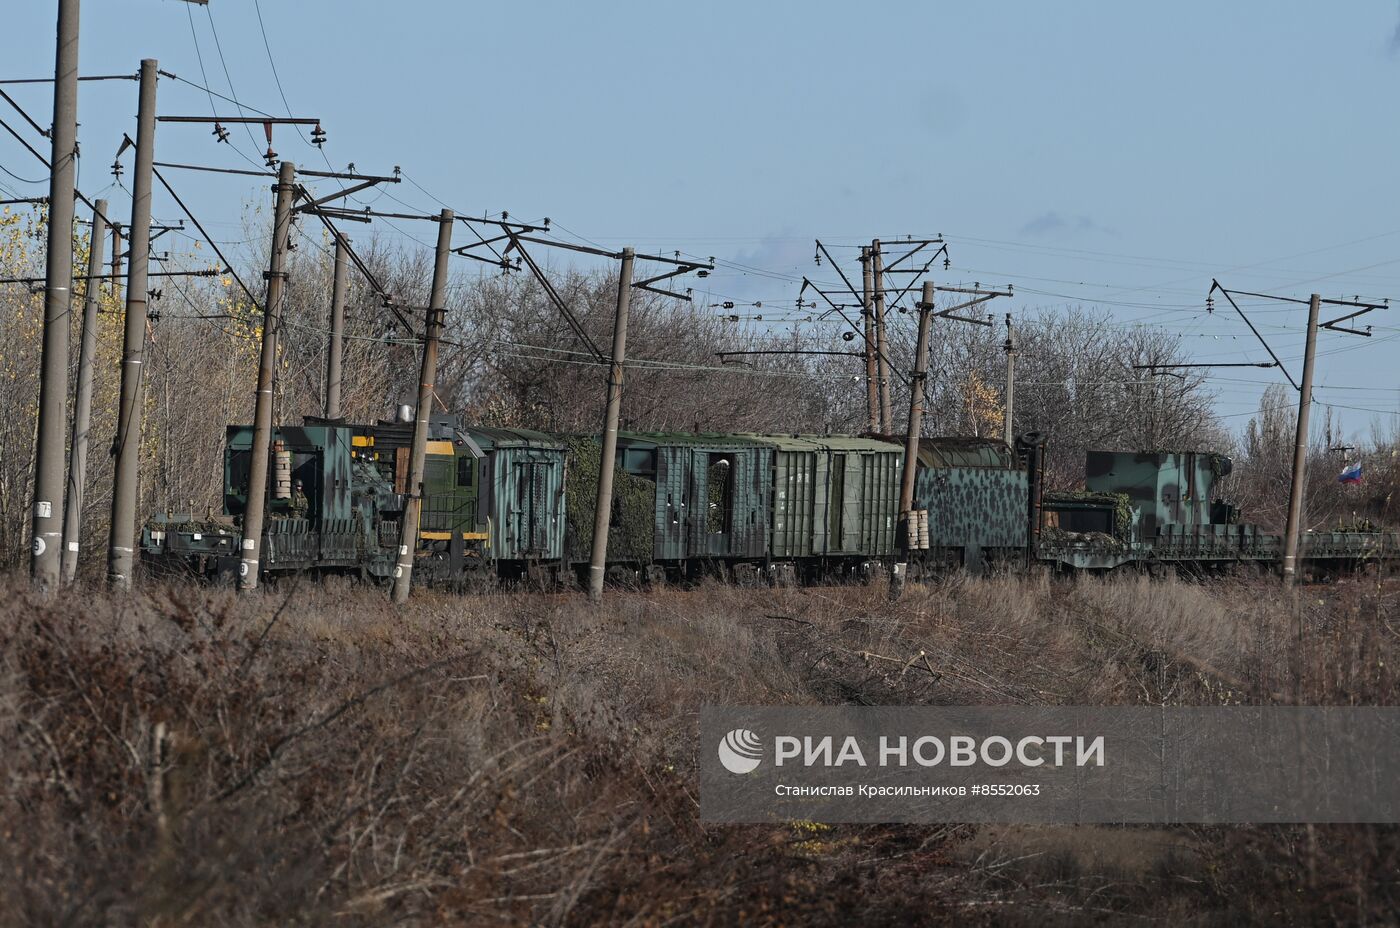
point(311, 754)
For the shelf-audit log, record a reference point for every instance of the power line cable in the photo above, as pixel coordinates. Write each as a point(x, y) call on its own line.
point(233, 94)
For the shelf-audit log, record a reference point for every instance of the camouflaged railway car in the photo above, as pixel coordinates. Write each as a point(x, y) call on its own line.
point(347, 503)
point(976, 492)
point(493, 505)
point(1160, 510)
point(684, 506)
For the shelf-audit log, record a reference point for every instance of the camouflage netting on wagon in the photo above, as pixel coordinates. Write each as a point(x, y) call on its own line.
point(719, 475)
point(634, 507)
point(1052, 537)
point(1121, 503)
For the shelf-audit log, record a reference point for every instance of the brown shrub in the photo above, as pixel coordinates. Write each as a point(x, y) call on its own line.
point(310, 753)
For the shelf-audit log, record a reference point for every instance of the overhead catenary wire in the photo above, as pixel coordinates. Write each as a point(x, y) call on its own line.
point(233, 94)
point(207, 237)
point(390, 302)
point(563, 229)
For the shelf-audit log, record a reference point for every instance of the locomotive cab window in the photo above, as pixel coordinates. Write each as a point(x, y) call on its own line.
point(465, 470)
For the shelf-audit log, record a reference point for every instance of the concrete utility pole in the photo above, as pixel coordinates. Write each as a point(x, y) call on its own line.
point(1008, 415)
point(881, 347)
point(872, 396)
point(602, 511)
point(256, 507)
point(116, 261)
point(432, 329)
point(82, 398)
point(58, 303)
point(333, 352)
point(127, 444)
point(911, 440)
point(1300, 448)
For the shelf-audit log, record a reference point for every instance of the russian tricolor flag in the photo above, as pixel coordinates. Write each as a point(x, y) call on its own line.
point(1352, 474)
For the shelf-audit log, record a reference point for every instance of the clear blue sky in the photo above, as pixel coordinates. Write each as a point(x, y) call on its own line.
point(1112, 153)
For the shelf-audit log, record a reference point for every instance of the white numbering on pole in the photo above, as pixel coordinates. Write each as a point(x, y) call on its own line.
point(72, 546)
point(398, 571)
point(242, 568)
point(39, 546)
point(403, 549)
point(43, 509)
point(247, 544)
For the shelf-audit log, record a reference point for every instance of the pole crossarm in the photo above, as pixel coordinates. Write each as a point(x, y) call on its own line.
point(354, 188)
point(965, 305)
point(255, 120)
point(920, 244)
point(683, 269)
point(977, 291)
point(1361, 306)
point(245, 172)
point(156, 231)
point(499, 260)
point(242, 172)
point(512, 232)
point(979, 296)
point(679, 262)
point(982, 322)
point(555, 298)
point(1332, 324)
point(894, 304)
point(505, 222)
point(1293, 299)
point(568, 246)
point(1214, 286)
point(1366, 332)
point(806, 283)
point(90, 77)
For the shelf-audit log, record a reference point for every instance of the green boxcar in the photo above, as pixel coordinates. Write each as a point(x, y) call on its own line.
point(522, 494)
point(711, 493)
point(833, 496)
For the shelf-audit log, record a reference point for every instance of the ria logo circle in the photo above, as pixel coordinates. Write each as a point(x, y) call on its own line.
point(740, 751)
